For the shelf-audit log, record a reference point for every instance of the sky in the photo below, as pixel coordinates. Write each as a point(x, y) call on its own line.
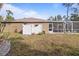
point(37, 10)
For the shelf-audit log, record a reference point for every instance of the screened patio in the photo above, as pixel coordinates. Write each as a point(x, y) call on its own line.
point(61, 26)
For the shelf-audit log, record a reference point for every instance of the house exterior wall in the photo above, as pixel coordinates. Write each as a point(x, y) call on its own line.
point(18, 27)
point(13, 27)
point(46, 27)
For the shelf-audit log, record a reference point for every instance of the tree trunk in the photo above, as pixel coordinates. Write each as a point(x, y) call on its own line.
point(67, 12)
point(66, 19)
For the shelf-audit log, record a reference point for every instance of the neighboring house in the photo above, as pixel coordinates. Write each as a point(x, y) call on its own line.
point(31, 26)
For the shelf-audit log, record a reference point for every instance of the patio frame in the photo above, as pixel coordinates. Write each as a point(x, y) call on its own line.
point(68, 26)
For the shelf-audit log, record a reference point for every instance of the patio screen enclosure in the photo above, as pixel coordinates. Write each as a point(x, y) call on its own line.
point(69, 26)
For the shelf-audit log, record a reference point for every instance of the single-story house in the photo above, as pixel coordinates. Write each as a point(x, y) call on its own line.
point(27, 26)
point(35, 26)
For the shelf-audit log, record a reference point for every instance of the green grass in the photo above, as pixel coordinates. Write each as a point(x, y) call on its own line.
point(46, 44)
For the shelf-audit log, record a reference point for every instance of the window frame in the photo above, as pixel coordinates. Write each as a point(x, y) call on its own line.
point(50, 26)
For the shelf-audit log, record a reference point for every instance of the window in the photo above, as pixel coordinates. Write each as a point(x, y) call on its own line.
point(50, 27)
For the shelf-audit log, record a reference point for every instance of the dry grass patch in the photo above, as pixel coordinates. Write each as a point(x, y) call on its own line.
point(46, 44)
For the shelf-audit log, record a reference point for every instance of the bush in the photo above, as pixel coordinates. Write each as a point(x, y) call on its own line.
point(16, 31)
point(15, 37)
point(20, 32)
point(4, 35)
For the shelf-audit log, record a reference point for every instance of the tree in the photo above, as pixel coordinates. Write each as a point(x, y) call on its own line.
point(55, 18)
point(1, 18)
point(59, 18)
point(67, 5)
point(74, 15)
point(51, 18)
point(9, 12)
point(0, 10)
point(9, 16)
point(64, 17)
point(1, 4)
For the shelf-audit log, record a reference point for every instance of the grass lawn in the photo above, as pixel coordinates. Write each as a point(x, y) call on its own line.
point(45, 44)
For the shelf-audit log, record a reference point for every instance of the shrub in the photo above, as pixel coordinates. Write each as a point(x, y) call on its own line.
point(20, 32)
point(4, 35)
point(16, 31)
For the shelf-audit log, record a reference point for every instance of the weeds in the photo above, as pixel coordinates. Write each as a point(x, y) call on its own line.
point(48, 45)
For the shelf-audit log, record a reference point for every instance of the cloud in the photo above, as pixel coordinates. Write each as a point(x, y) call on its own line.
point(20, 13)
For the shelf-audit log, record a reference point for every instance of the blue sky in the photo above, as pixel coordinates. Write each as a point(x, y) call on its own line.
point(44, 8)
point(39, 10)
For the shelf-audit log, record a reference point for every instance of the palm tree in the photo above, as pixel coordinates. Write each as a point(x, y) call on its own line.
point(68, 5)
